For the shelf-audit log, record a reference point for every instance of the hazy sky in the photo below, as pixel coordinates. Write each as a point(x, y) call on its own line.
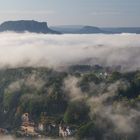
point(77, 12)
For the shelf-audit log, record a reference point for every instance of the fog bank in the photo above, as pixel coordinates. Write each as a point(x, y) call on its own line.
point(57, 51)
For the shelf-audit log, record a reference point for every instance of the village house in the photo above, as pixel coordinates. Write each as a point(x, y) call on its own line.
point(25, 117)
point(103, 75)
point(40, 127)
point(64, 131)
point(27, 126)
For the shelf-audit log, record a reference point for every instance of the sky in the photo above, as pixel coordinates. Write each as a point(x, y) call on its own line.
point(102, 13)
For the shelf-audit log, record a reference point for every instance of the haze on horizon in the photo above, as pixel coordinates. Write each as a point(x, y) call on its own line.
point(101, 13)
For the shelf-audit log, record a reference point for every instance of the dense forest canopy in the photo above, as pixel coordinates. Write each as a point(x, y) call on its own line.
point(97, 102)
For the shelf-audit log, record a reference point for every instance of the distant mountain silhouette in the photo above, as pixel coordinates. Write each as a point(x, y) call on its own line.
point(27, 25)
point(67, 28)
point(79, 29)
point(90, 30)
point(42, 27)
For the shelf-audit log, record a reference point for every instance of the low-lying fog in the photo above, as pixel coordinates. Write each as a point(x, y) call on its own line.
point(58, 51)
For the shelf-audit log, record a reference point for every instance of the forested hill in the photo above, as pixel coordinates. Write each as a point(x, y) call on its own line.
point(82, 97)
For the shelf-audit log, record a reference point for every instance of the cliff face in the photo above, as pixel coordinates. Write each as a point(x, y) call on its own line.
point(26, 25)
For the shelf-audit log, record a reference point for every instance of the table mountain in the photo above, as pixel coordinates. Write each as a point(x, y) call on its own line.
point(27, 25)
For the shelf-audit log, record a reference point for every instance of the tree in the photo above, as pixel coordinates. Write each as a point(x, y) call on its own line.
point(77, 112)
point(115, 76)
point(89, 130)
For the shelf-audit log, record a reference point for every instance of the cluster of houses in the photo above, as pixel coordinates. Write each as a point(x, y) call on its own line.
point(29, 128)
